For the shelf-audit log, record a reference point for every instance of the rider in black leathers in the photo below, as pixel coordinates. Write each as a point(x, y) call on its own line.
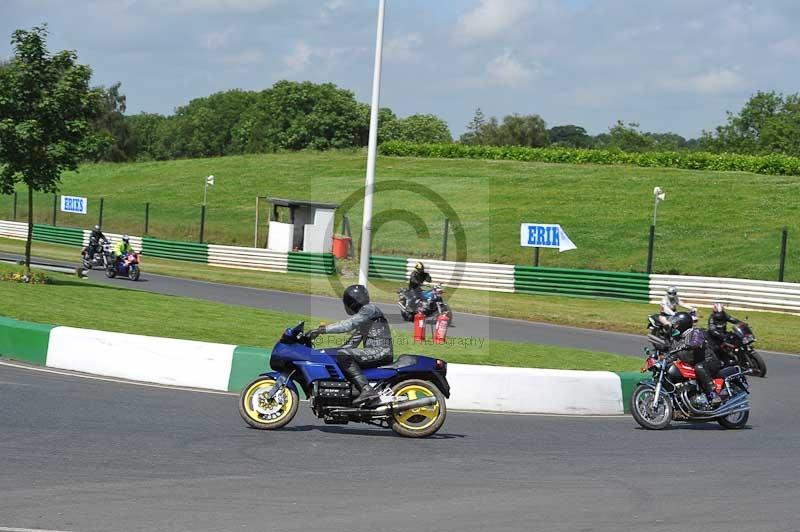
point(368, 325)
point(693, 348)
point(718, 322)
point(417, 278)
point(95, 237)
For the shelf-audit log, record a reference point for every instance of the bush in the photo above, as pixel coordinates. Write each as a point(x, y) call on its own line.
point(20, 277)
point(729, 162)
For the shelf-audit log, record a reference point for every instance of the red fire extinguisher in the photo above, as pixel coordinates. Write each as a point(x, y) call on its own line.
point(419, 327)
point(440, 332)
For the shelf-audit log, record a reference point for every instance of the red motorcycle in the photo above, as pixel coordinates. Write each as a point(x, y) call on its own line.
point(125, 266)
point(673, 394)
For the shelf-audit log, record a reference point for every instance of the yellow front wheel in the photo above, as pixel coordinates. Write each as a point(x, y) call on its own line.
point(419, 422)
point(263, 413)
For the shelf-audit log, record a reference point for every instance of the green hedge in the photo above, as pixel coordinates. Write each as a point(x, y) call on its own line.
point(760, 164)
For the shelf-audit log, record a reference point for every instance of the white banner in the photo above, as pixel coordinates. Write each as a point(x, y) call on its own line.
point(534, 235)
point(74, 204)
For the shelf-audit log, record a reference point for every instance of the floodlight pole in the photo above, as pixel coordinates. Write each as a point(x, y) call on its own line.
point(366, 223)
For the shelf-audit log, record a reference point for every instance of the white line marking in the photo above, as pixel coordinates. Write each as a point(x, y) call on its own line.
point(5, 529)
point(109, 379)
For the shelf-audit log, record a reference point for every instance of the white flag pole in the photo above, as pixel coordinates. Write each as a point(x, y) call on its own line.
point(366, 223)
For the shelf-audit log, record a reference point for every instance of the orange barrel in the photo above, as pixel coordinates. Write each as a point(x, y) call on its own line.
point(341, 244)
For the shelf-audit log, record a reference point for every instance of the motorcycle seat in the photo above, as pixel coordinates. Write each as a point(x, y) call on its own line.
point(402, 362)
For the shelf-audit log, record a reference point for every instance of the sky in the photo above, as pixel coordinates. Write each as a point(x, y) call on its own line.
point(675, 65)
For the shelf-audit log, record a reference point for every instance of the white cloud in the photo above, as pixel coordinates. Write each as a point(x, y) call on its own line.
point(491, 18)
point(403, 48)
point(214, 40)
point(214, 6)
point(712, 82)
point(250, 56)
point(508, 71)
point(299, 58)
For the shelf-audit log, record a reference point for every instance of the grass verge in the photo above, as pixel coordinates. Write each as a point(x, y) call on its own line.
point(776, 332)
point(132, 311)
point(606, 210)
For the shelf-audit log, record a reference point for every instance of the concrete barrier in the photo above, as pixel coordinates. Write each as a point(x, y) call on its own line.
point(229, 367)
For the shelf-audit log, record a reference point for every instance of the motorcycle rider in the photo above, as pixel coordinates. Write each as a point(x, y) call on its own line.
point(718, 321)
point(122, 248)
point(95, 238)
point(417, 278)
point(669, 306)
point(693, 348)
point(369, 326)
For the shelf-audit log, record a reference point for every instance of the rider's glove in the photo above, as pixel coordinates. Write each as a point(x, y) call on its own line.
point(316, 332)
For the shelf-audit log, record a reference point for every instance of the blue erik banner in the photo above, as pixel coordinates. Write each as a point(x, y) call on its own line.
point(544, 236)
point(73, 204)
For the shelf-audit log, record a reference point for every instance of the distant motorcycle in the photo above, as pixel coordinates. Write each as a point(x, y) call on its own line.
point(431, 303)
point(673, 394)
point(126, 266)
point(411, 399)
point(101, 255)
point(736, 348)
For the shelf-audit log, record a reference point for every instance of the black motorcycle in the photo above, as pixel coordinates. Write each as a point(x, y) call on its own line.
point(100, 256)
point(736, 348)
point(431, 303)
point(673, 394)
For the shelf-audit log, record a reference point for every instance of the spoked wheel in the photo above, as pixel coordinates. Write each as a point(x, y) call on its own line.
point(419, 422)
point(649, 417)
point(263, 413)
point(737, 420)
point(134, 273)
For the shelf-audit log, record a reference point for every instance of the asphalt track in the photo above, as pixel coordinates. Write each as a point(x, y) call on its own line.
point(81, 454)
point(87, 455)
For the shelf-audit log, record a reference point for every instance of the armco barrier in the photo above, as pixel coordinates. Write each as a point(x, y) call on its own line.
point(322, 263)
point(587, 283)
point(393, 268)
point(169, 249)
point(58, 235)
point(247, 258)
point(744, 294)
point(15, 230)
point(474, 275)
point(229, 368)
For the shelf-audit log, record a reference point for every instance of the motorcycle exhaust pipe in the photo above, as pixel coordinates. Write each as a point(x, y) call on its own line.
point(402, 406)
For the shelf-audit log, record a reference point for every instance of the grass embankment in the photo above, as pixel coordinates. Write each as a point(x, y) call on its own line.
point(777, 332)
point(136, 312)
point(605, 210)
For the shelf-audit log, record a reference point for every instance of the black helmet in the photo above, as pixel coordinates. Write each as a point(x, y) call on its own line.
point(681, 322)
point(355, 296)
point(419, 267)
point(96, 227)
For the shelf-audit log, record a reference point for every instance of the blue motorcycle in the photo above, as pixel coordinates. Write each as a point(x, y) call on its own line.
point(125, 266)
point(411, 399)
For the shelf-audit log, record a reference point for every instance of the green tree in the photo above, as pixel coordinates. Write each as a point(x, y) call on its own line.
point(115, 140)
point(46, 109)
point(475, 129)
point(522, 130)
point(569, 136)
point(146, 132)
point(625, 137)
point(421, 129)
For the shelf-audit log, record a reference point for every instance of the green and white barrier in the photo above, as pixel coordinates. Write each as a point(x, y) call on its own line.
point(226, 367)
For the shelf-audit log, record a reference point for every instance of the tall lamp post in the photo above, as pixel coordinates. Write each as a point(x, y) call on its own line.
point(659, 196)
point(366, 223)
point(209, 182)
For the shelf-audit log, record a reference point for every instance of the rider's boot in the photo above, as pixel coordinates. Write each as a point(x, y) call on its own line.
point(714, 399)
point(367, 392)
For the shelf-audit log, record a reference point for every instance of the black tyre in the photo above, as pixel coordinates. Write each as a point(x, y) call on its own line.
point(111, 273)
point(419, 422)
point(735, 421)
point(643, 412)
point(267, 414)
point(757, 364)
point(134, 272)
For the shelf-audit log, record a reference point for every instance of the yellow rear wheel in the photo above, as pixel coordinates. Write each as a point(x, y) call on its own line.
point(419, 422)
point(263, 413)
